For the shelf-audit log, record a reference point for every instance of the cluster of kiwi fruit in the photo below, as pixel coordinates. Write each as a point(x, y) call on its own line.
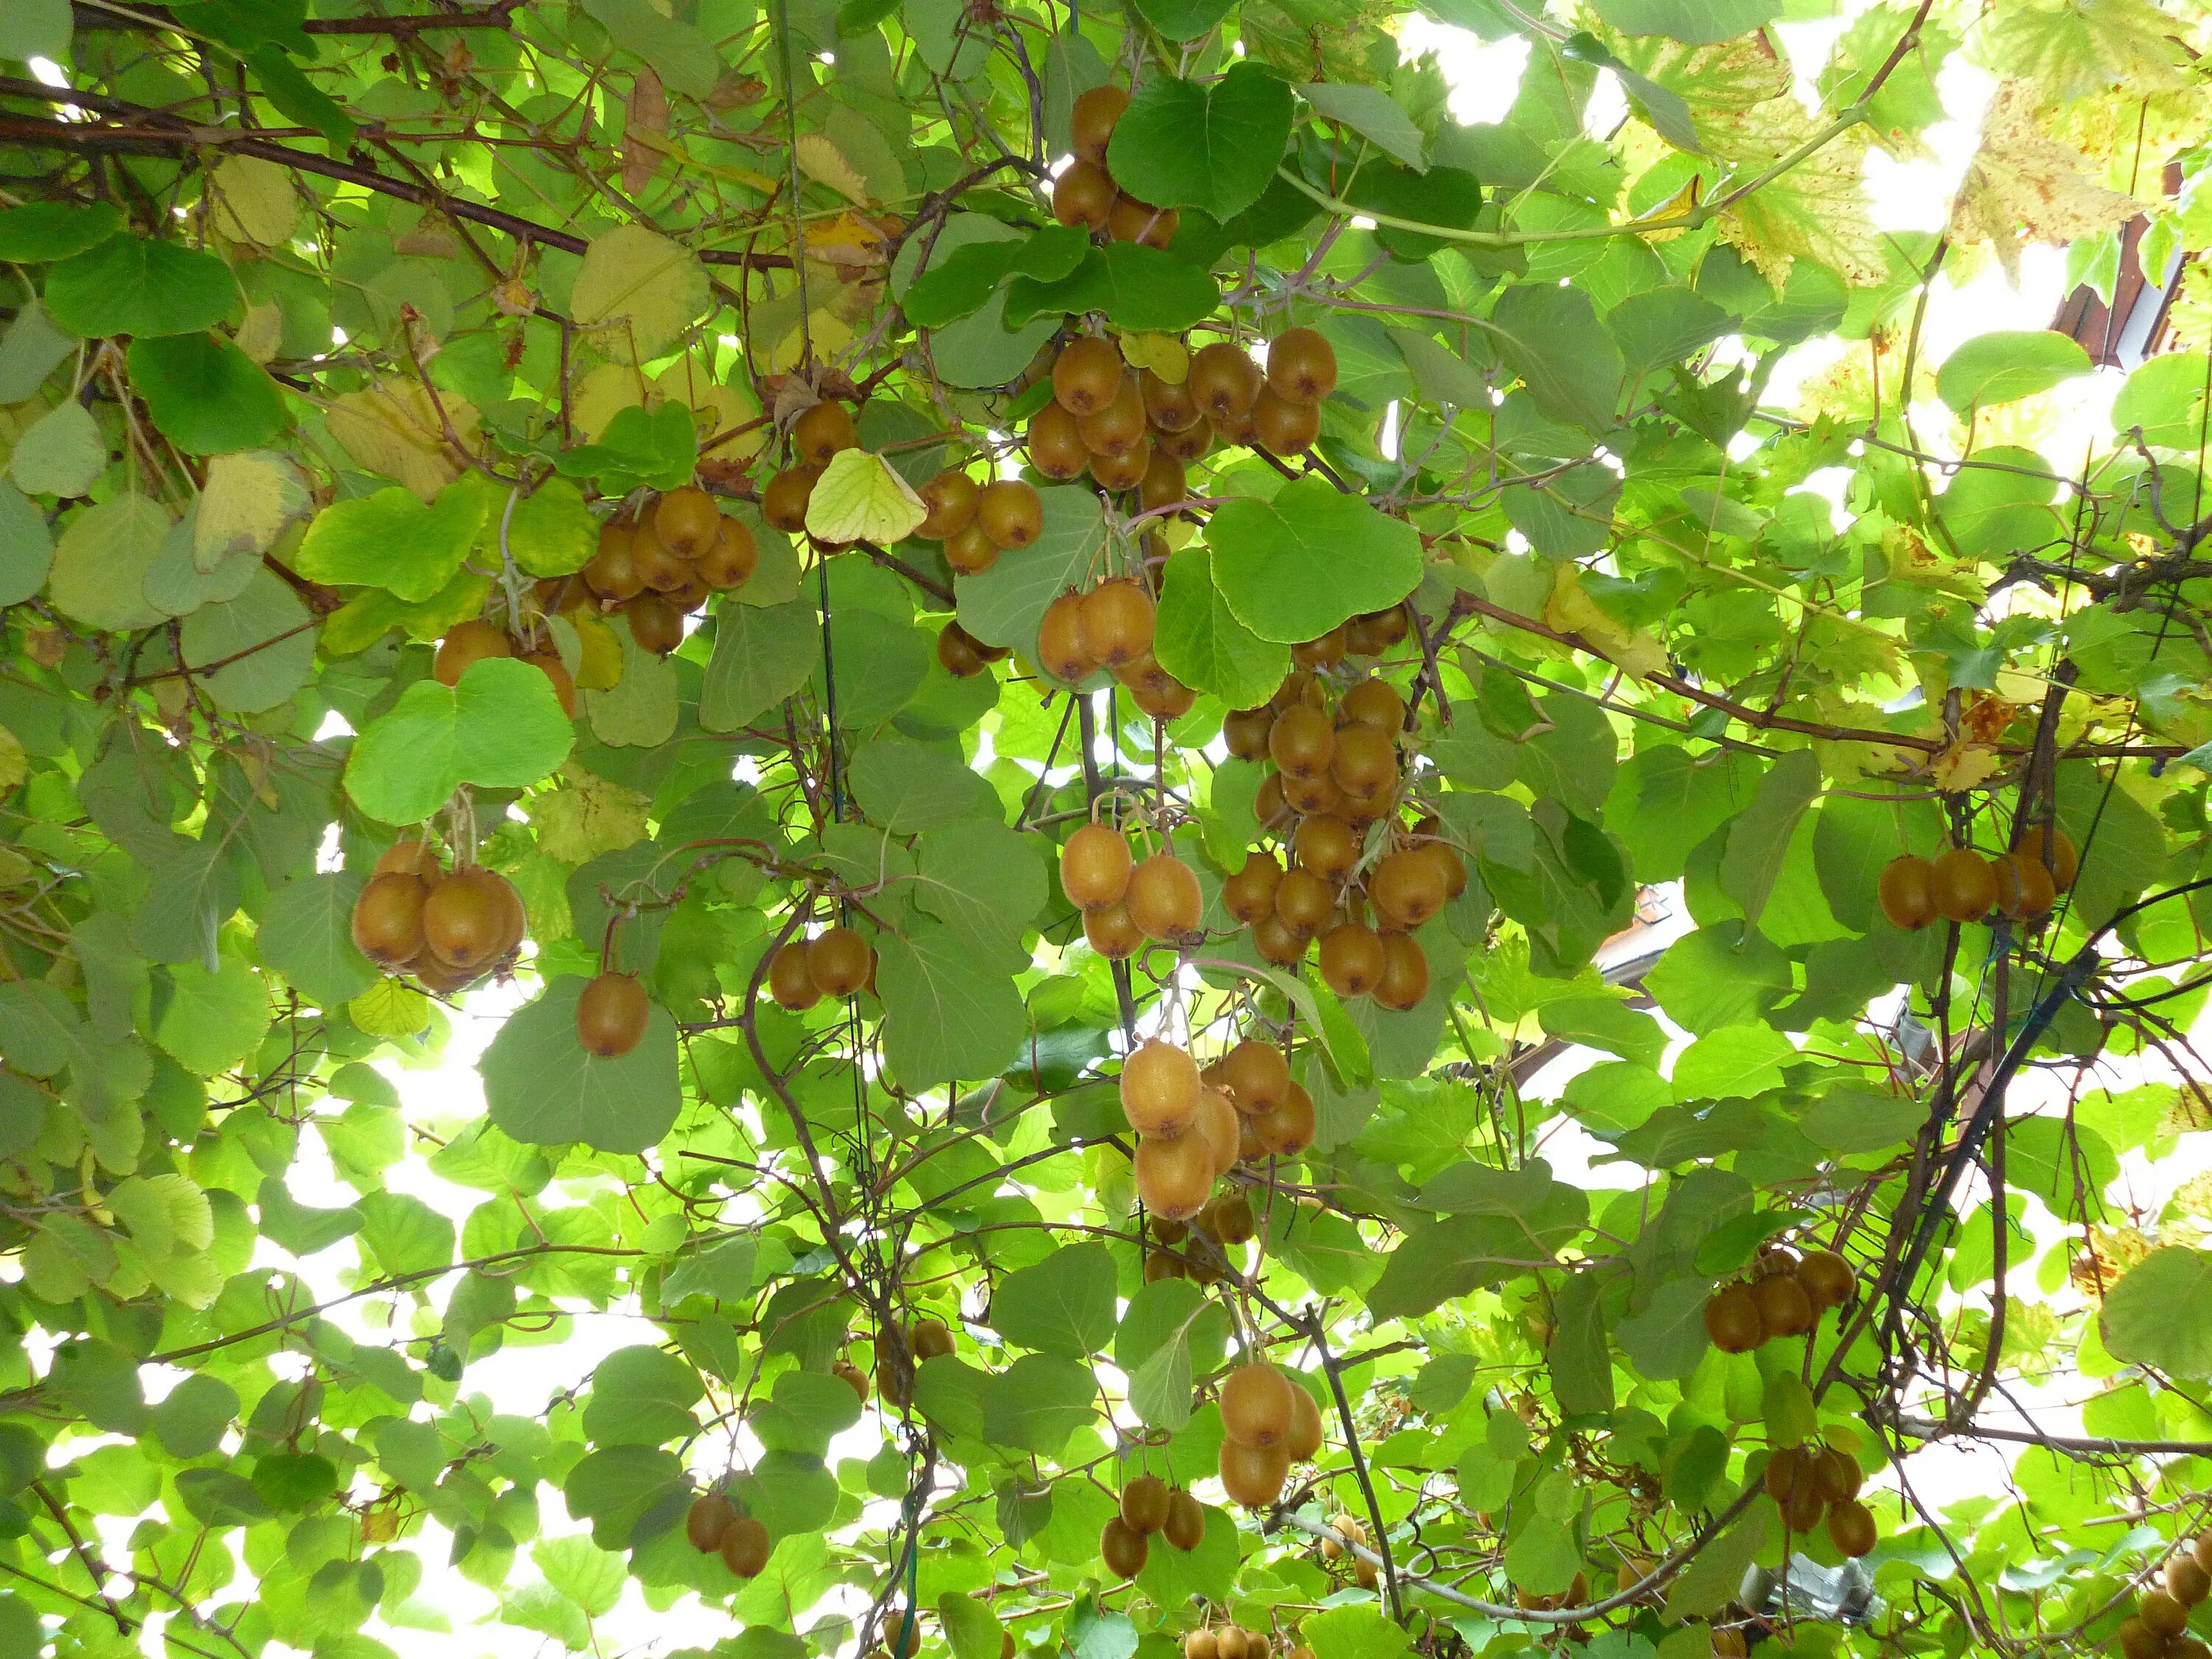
point(1149, 1506)
point(1809, 1482)
point(713, 1527)
point(1233, 1641)
point(1962, 885)
point(1110, 626)
point(1268, 1424)
point(1785, 1296)
point(1338, 774)
point(835, 963)
point(658, 564)
point(976, 523)
point(1086, 194)
point(1194, 1127)
point(896, 1359)
point(1126, 901)
point(2159, 1627)
point(1349, 1529)
point(443, 929)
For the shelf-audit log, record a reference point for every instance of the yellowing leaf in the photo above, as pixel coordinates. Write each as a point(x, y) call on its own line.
point(389, 1009)
point(2074, 48)
point(859, 498)
point(598, 654)
point(393, 430)
point(1161, 353)
point(2023, 187)
point(823, 162)
point(588, 815)
point(637, 291)
point(715, 405)
point(246, 502)
point(1962, 765)
point(255, 202)
point(1816, 211)
point(261, 332)
point(15, 765)
point(1572, 611)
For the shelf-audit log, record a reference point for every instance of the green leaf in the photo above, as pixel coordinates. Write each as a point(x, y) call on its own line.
point(1759, 838)
point(1171, 1332)
point(2006, 365)
point(1736, 1061)
point(1694, 22)
point(26, 546)
point(393, 540)
point(681, 53)
point(1037, 1402)
point(1666, 1338)
point(550, 532)
point(289, 1482)
point(1664, 325)
point(126, 285)
point(964, 280)
point(62, 454)
point(1182, 20)
point(1183, 144)
point(2159, 1313)
point(501, 727)
point(904, 786)
point(544, 1088)
point(761, 656)
point(1196, 638)
point(1371, 112)
point(213, 1020)
point(1062, 1305)
point(641, 1396)
point(1550, 337)
point(944, 1017)
point(1291, 568)
point(1134, 287)
point(40, 231)
point(1357, 1631)
point(613, 1488)
point(252, 653)
point(205, 395)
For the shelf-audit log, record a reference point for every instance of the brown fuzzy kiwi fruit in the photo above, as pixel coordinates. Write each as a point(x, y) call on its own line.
point(1086, 375)
point(1122, 1549)
point(840, 961)
point(1301, 366)
point(1174, 1176)
point(1305, 1436)
point(654, 624)
point(1160, 1089)
point(1326, 845)
point(1286, 1128)
point(1283, 427)
point(1278, 943)
point(1405, 981)
point(1125, 471)
point(731, 558)
point(1111, 933)
point(1257, 1075)
point(1010, 512)
point(950, 497)
point(1117, 622)
point(1302, 742)
point(1827, 1277)
point(1132, 220)
point(660, 569)
point(969, 550)
point(1217, 1125)
point(1055, 444)
point(1303, 901)
point(1250, 893)
point(1090, 121)
point(465, 645)
point(745, 1546)
point(1732, 1319)
point(1245, 731)
point(1117, 426)
point(1785, 1309)
point(1907, 892)
point(1374, 703)
point(465, 919)
point(387, 918)
point(1145, 1504)
point(1095, 867)
point(821, 433)
point(611, 1012)
point(612, 574)
point(686, 521)
point(783, 500)
point(1060, 651)
point(1364, 760)
point(1223, 382)
point(1407, 888)
point(1169, 406)
point(1164, 899)
point(1254, 1476)
point(710, 1517)
point(410, 857)
point(956, 654)
point(1083, 194)
point(1186, 1523)
point(788, 980)
point(1352, 958)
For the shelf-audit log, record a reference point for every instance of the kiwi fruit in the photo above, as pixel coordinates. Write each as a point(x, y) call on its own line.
point(1122, 1549)
point(1322, 651)
point(1351, 959)
point(1090, 121)
point(1827, 1277)
point(1186, 1523)
point(1083, 195)
point(2139, 1641)
point(1164, 697)
point(1055, 444)
point(1965, 887)
point(1785, 1309)
point(1111, 933)
point(822, 432)
point(969, 550)
point(1200, 1645)
point(1087, 375)
point(387, 917)
point(956, 654)
point(2051, 848)
point(854, 1377)
point(1906, 889)
point(1164, 900)
point(1302, 742)
point(1010, 512)
point(1061, 642)
point(465, 918)
point(1364, 760)
point(1301, 366)
point(465, 645)
point(1145, 1504)
point(1303, 901)
point(1284, 428)
point(1325, 844)
point(660, 570)
point(1117, 426)
point(1187, 446)
point(1169, 406)
point(1374, 632)
point(1279, 944)
point(411, 857)
point(1217, 1125)
point(951, 499)
point(612, 574)
point(685, 522)
point(1407, 888)
point(1125, 471)
point(1732, 1319)
point(1285, 1128)
point(789, 981)
point(1174, 1175)
point(1132, 221)
point(1223, 382)
point(1405, 981)
point(1095, 867)
point(1305, 1436)
point(783, 500)
point(839, 962)
point(1229, 1643)
point(1256, 1076)
point(1374, 704)
point(654, 624)
point(1836, 1475)
point(730, 559)
point(2026, 891)
point(1250, 893)
point(2186, 1580)
point(1254, 1476)
point(1851, 1530)
point(710, 1517)
point(611, 1015)
point(1117, 622)
point(745, 1546)
point(929, 1339)
point(1159, 1089)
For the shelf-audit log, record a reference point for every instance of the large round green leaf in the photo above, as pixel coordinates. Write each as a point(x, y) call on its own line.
point(128, 285)
point(544, 1088)
point(205, 395)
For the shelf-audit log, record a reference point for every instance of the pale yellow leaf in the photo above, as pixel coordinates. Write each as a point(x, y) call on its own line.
point(248, 500)
point(15, 765)
point(393, 430)
point(824, 163)
point(2072, 49)
point(1816, 211)
point(389, 1008)
point(255, 202)
point(262, 331)
point(587, 816)
point(2024, 186)
point(100, 564)
point(598, 654)
point(859, 498)
point(1163, 354)
point(1571, 611)
point(1962, 765)
point(637, 292)
point(603, 393)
